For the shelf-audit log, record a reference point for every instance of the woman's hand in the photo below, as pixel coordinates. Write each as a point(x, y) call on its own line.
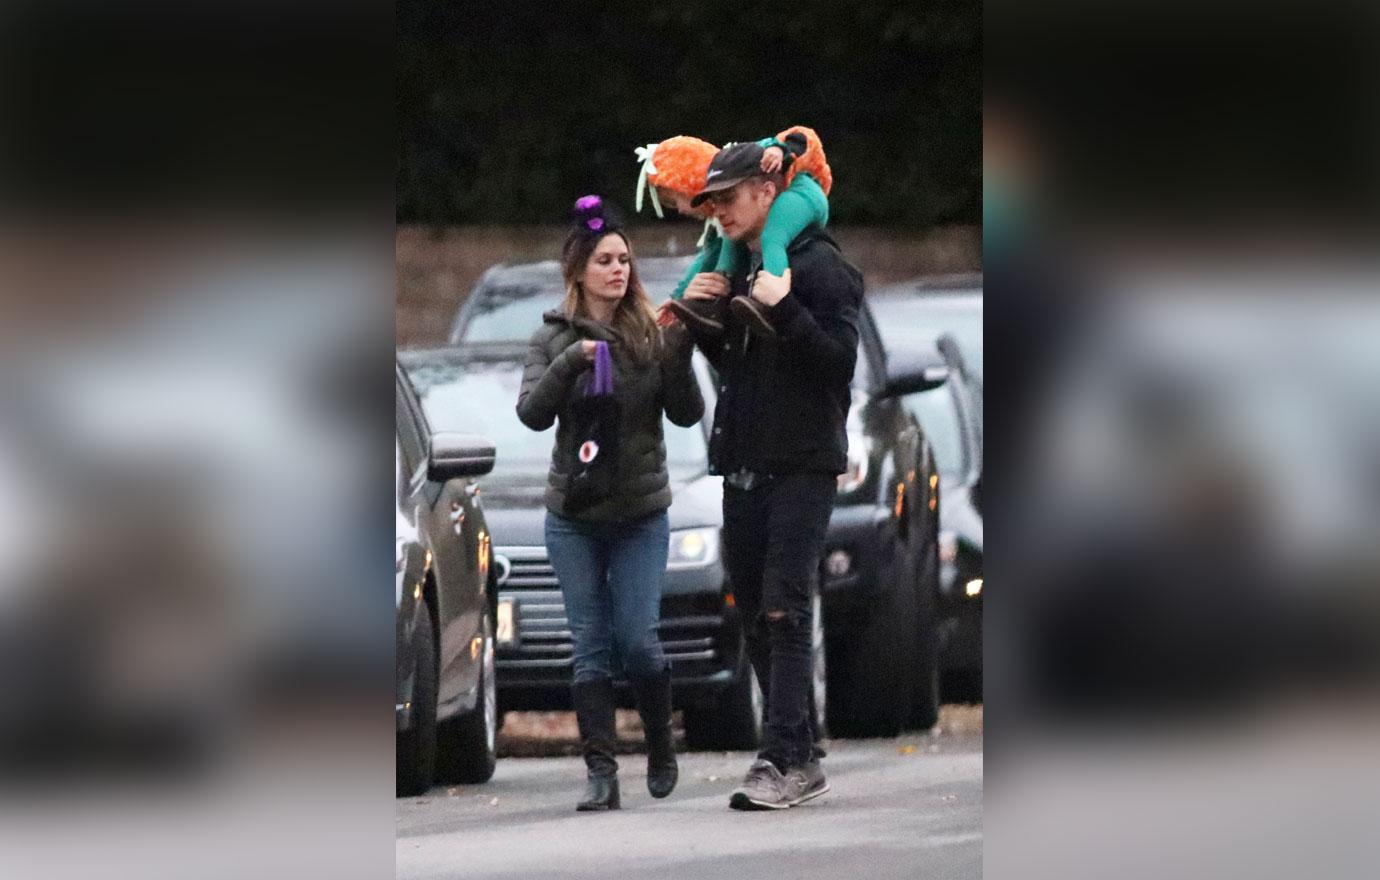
point(771, 160)
point(707, 285)
point(665, 317)
point(587, 348)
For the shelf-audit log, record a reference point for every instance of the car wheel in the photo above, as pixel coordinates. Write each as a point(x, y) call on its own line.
point(467, 746)
point(924, 712)
point(733, 722)
point(416, 746)
point(877, 678)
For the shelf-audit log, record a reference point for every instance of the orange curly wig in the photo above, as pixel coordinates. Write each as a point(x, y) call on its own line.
point(813, 161)
point(681, 164)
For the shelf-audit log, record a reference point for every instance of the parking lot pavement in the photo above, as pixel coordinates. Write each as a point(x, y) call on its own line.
point(900, 808)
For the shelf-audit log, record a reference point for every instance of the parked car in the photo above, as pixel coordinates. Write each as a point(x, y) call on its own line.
point(920, 311)
point(446, 706)
point(878, 601)
point(700, 628)
point(952, 418)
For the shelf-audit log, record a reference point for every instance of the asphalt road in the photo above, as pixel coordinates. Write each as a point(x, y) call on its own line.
point(907, 808)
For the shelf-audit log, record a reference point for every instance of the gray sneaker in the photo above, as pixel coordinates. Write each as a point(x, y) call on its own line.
point(765, 788)
point(808, 782)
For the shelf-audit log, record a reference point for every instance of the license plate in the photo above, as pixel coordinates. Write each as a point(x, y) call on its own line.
point(507, 622)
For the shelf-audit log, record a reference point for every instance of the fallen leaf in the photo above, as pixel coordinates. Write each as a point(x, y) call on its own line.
point(907, 750)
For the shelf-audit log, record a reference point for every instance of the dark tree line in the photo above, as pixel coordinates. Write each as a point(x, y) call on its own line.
point(508, 111)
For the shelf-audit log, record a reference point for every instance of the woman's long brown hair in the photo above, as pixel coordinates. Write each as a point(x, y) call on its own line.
point(634, 318)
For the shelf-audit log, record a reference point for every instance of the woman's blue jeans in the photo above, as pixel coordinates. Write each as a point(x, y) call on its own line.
point(611, 576)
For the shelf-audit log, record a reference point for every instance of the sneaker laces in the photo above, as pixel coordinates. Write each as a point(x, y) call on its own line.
point(762, 769)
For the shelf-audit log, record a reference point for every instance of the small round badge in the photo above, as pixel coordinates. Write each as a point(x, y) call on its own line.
point(588, 450)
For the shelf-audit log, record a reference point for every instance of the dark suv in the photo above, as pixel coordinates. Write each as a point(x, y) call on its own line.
point(939, 321)
point(879, 584)
point(700, 629)
point(446, 705)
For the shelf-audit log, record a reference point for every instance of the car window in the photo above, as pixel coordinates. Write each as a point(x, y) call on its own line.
point(409, 437)
point(509, 306)
point(937, 414)
point(912, 323)
point(509, 314)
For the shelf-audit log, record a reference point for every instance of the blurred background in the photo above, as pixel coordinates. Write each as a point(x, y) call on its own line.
point(1181, 207)
point(195, 243)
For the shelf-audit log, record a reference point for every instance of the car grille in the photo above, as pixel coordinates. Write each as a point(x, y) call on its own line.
point(527, 568)
point(689, 634)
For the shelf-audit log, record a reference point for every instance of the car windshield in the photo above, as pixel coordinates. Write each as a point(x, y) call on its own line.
point(911, 322)
point(508, 305)
point(480, 397)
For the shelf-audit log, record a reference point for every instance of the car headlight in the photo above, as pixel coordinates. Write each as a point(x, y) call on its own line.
point(693, 548)
point(859, 452)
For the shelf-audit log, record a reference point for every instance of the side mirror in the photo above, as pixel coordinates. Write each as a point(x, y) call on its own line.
point(459, 455)
point(913, 377)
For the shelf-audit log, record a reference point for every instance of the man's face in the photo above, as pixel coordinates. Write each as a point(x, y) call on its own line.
point(742, 209)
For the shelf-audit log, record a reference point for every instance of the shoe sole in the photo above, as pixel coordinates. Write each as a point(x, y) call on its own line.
point(755, 320)
point(740, 801)
point(809, 796)
point(688, 318)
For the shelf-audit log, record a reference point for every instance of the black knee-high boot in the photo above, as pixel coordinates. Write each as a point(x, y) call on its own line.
point(654, 704)
point(594, 705)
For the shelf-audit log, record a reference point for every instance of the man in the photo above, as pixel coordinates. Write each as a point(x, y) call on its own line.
point(785, 358)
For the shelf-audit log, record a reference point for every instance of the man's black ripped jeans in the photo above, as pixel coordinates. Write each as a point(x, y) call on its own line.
point(773, 540)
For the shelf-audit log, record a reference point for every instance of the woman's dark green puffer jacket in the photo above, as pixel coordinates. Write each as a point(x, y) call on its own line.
point(557, 372)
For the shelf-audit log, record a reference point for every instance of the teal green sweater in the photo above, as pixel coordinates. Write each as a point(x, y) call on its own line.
point(803, 204)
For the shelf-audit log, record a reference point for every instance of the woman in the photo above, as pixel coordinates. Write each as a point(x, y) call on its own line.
point(610, 552)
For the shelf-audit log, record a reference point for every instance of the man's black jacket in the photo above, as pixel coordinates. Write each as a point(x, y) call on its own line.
point(783, 404)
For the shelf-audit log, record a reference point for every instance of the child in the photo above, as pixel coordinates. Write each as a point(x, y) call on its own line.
point(676, 169)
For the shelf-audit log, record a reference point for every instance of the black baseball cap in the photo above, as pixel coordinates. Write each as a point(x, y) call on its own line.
point(730, 167)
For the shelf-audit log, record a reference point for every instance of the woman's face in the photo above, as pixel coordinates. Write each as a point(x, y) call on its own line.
point(607, 270)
